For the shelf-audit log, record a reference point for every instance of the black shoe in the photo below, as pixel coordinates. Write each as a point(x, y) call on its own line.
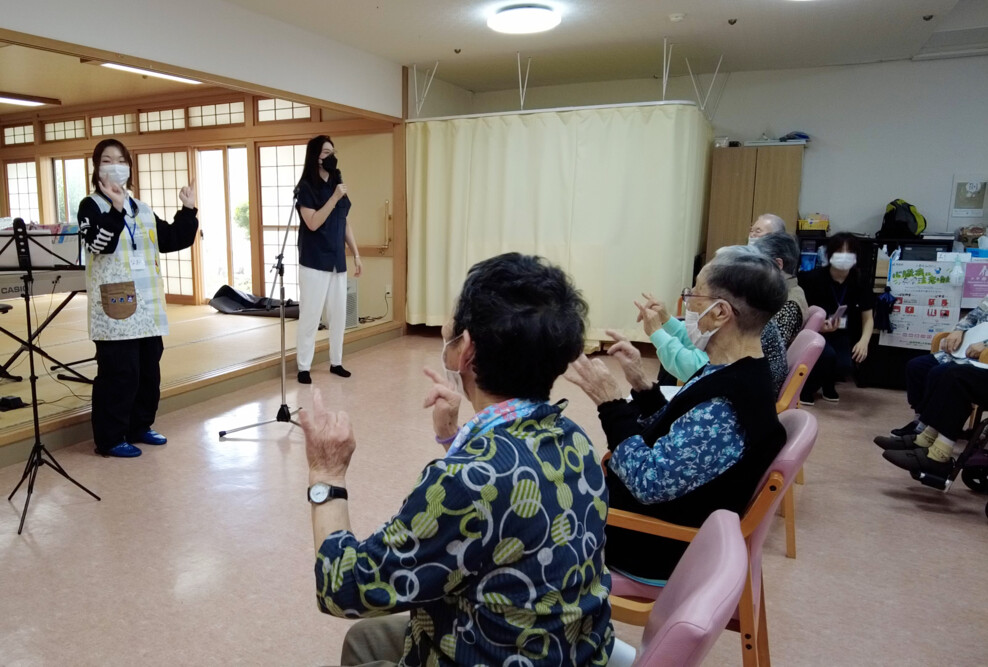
point(916, 460)
point(908, 429)
point(830, 395)
point(339, 370)
point(304, 378)
point(807, 399)
point(896, 442)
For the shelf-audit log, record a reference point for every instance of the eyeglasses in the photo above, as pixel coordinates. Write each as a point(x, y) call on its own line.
point(688, 294)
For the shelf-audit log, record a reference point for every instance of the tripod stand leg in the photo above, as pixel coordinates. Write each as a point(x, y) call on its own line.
point(27, 471)
point(30, 490)
point(223, 434)
point(53, 464)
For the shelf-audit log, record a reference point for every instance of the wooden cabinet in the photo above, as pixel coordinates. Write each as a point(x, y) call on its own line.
point(746, 182)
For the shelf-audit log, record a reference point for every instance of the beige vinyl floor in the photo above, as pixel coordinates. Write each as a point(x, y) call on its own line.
point(200, 341)
point(200, 552)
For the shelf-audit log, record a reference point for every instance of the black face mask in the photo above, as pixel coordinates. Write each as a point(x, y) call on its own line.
point(329, 163)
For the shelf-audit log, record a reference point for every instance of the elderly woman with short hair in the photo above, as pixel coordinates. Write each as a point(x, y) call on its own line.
point(784, 251)
point(498, 550)
point(708, 447)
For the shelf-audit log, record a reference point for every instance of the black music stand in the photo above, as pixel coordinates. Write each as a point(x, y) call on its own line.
point(63, 264)
point(40, 456)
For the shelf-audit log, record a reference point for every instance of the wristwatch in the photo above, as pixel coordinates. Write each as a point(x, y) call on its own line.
point(321, 492)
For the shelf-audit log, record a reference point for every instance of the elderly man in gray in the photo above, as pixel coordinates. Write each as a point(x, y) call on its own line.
point(766, 224)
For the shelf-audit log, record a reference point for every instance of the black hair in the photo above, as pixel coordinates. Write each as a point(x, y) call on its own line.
point(837, 242)
point(780, 246)
point(751, 282)
point(310, 170)
point(527, 322)
point(98, 155)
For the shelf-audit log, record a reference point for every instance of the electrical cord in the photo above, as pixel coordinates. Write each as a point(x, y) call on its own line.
point(51, 298)
point(387, 310)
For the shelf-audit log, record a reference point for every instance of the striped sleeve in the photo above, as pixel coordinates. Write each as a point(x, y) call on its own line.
point(100, 231)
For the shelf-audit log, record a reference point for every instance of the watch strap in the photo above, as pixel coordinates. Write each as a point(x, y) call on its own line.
point(335, 492)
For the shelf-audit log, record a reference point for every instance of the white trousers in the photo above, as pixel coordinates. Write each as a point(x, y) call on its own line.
point(320, 293)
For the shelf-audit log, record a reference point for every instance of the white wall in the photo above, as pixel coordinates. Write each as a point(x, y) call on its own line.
point(219, 38)
point(880, 131)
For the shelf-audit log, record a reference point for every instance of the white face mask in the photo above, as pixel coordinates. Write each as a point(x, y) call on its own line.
point(115, 173)
point(451, 376)
point(752, 239)
point(843, 261)
point(692, 321)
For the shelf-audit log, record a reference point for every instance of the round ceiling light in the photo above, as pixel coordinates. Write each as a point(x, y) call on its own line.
point(524, 19)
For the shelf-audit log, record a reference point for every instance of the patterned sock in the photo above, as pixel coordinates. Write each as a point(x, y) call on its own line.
point(927, 437)
point(941, 450)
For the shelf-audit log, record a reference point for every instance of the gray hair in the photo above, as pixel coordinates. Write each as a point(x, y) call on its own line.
point(751, 282)
point(780, 246)
point(777, 223)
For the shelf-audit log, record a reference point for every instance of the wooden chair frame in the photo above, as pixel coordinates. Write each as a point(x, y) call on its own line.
point(754, 637)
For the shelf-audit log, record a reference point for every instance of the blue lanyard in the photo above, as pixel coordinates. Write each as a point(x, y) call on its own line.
point(133, 243)
point(843, 295)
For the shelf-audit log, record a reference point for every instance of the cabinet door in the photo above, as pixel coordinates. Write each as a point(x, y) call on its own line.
point(732, 182)
point(778, 176)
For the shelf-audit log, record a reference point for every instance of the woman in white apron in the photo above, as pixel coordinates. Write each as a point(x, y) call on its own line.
point(123, 239)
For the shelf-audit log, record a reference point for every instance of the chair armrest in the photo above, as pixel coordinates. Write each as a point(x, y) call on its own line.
point(760, 506)
point(651, 526)
point(935, 344)
point(789, 391)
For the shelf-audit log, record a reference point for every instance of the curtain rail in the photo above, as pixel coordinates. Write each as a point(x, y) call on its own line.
point(688, 103)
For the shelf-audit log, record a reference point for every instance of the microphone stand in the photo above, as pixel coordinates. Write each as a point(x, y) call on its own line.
point(284, 412)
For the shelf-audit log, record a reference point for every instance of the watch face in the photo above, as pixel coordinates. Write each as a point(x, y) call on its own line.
point(319, 493)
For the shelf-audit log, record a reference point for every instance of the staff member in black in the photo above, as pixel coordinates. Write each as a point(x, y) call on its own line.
point(829, 287)
point(323, 206)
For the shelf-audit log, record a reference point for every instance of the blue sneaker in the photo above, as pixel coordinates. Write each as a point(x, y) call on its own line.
point(151, 437)
point(124, 450)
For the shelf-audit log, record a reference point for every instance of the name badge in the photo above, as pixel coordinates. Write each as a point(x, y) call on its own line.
point(137, 263)
point(843, 323)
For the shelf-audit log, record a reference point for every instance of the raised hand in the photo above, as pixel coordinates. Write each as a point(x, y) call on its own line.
point(115, 193)
point(592, 376)
point(444, 400)
point(187, 195)
point(329, 440)
point(630, 359)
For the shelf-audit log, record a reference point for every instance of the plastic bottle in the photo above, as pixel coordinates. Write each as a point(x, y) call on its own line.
point(957, 273)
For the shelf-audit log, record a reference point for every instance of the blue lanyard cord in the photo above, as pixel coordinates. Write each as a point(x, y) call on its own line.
point(133, 243)
point(843, 295)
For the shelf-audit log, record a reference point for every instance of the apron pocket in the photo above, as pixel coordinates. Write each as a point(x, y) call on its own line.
point(119, 300)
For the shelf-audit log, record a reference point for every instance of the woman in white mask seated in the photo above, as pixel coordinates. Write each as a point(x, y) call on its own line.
point(846, 295)
point(680, 345)
point(123, 238)
point(709, 446)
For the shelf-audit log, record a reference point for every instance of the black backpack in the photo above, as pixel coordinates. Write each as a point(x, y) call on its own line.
point(901, 221)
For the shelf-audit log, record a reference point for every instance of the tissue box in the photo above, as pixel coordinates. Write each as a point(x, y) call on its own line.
point(814, 222)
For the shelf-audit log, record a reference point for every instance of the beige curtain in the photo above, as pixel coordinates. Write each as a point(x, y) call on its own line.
point(615, 196)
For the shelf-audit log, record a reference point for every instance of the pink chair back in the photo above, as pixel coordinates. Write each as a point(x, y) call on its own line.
point(814, 319)
point(805, 349)
point(801, 432)
point(701, 596)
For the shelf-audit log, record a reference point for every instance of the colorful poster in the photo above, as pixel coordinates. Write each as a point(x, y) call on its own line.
point(975, 283)
point(925, 304)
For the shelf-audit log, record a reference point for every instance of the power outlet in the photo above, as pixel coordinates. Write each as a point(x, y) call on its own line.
point(387, 290)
